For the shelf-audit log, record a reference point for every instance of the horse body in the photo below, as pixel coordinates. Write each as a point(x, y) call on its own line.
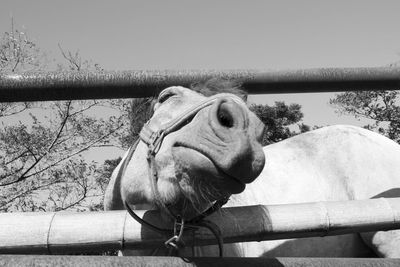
point(332, 163)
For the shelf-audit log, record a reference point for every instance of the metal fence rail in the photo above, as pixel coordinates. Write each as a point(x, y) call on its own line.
point(89, 261)
point(68, 232)
point(130, 84)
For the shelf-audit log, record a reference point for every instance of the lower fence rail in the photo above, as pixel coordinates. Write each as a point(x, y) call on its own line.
point(87, 261)
point(79, 232)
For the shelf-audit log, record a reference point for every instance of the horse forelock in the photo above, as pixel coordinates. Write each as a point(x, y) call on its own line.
point(218, 85)
point(207, 88)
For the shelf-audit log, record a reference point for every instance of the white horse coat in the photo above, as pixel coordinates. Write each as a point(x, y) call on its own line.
point(331, 163)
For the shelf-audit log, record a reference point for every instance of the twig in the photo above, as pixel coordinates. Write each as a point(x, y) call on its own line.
point(24, 176)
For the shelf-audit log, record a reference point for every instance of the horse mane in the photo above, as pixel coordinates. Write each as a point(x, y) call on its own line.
point(215, 86)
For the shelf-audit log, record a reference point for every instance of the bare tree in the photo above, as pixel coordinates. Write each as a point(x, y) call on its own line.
point(41, 143)
point(18, 52)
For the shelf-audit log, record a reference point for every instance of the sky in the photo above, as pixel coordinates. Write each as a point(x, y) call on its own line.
point(225, 34)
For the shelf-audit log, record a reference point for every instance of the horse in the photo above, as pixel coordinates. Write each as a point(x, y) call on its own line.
point(197, 151)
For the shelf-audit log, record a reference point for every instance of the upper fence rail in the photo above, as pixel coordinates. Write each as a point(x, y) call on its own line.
point(44, 86)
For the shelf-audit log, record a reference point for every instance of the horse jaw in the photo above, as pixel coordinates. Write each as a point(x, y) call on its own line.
point(216, 173)
point(174, 186)
point(136, 184)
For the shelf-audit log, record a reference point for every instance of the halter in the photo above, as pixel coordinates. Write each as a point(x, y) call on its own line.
point(154, 140)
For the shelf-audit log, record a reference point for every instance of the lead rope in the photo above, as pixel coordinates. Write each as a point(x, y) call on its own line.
point(193, 224)
point(175, 242)
point(153, 139)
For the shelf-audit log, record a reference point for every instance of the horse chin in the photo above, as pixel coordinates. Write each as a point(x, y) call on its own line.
point(200, 179)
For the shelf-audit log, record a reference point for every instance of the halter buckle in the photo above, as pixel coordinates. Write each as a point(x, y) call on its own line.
point(155, 142)
point(174, 241)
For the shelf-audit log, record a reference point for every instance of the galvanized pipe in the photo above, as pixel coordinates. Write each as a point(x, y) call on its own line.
point(129, 84)
point(67, 232)
point(94, 261)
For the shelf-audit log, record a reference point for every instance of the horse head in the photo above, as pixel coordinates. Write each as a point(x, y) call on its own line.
point(194, 150)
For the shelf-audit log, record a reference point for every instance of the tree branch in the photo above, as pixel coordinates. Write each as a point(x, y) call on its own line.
point(84, 109)
point(61, 127)
point(24, 176)
point(71, 59)
point(17, 157)
point(28, 191)
point(84, 195)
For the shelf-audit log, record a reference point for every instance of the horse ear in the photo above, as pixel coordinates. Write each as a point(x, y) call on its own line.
point(215, 86)
point(154, 105)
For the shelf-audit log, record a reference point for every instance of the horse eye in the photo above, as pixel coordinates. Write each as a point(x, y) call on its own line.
point(165, 96)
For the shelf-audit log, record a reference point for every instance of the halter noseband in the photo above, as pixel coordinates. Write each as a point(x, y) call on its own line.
point(154, 138)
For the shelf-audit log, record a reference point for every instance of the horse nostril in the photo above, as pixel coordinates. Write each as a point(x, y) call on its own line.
point(224, 116)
